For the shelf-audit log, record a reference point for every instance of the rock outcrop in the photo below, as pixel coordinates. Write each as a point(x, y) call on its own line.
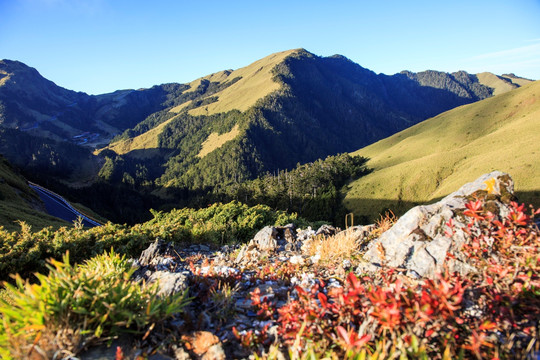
point(418, 242)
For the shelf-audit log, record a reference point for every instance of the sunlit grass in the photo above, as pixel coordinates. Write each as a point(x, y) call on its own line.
point(437, 156)
point(215, 141)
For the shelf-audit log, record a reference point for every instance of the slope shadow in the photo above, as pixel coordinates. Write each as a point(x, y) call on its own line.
point(371, 209)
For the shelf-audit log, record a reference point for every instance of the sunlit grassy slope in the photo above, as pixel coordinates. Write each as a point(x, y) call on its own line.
point(145, 141)
point(19, 203)
point(255, 83)
point(216, 140)
point(437, 156)
point(501, 84)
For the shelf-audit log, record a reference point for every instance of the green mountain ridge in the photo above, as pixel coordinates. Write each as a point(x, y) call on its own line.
point(302, 120)
point(177, 143)
point(428, 161)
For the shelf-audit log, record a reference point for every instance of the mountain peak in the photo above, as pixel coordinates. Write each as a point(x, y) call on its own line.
point(246, 85)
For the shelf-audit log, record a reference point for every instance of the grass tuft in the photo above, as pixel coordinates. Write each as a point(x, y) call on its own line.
point(73, 306)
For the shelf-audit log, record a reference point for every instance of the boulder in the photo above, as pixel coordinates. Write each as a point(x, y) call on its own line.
point(215, 352)
point(306, 234)
point(200, 342)
point(326, 230)
point(418, 241)
point(266, 239)
point(169, 283)
point(287, 232)
point(154, 253)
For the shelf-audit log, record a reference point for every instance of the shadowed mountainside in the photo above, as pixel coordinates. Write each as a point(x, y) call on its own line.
point(19, 202)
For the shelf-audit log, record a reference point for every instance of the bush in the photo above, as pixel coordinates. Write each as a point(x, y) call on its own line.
point(75, 305)
point(494, 313)
point(25, 252)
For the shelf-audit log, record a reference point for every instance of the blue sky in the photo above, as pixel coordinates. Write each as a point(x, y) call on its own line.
point(99, 46)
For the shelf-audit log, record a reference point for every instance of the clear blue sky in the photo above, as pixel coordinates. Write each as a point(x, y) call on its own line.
point(100, 46)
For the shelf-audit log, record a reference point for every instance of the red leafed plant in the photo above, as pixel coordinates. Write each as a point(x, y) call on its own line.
point(492, 313)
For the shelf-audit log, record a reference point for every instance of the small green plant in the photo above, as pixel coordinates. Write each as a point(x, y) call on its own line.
point(223, 300)
point(75, 305)
point(78, 223)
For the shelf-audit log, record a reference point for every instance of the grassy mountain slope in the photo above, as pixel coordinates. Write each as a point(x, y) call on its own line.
point(432, 159)
point(256, 82)
point(501, 84)
point(286, 108)
point(19, 202)
point(253, 83)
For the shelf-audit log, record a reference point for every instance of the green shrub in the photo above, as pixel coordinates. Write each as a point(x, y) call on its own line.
point(25, 252)
point(75, 305)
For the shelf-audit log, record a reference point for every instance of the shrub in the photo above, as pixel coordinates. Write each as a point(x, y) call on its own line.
point(336, 248)
point(494, 313)
point(75, 305)
point(25, 252)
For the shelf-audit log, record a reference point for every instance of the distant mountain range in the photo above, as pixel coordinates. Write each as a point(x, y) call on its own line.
point(177, 140)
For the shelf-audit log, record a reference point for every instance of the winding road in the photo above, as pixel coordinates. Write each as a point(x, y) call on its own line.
point(60, 207)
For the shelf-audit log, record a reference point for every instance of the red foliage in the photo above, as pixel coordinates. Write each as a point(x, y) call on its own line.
point(494, 312)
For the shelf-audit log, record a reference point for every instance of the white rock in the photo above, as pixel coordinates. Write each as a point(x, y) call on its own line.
point(418, 241)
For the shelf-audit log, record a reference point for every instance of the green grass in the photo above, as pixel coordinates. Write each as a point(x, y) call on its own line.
point(75, 305)
point(19, 203)
point(24, 251)
point(439, 155)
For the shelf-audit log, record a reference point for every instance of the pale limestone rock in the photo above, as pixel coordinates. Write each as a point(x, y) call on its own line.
point(265, 239)
point(418, 241)
point(168, 283)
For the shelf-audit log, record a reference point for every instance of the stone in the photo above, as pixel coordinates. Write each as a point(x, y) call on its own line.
point(289, 235)
point(297, 260)
point(169, 283)
point(247, 254)
point(154, 253)
point(287, 232)
point(215, 352)
point(418, 242)
point(326, 230)
point(181, 354)
point(306, 234)
point(265, 239)
point(204, 248)
point(200, 342)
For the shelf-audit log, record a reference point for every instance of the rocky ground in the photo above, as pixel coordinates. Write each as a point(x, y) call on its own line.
point(232, 287)
point(221, 283)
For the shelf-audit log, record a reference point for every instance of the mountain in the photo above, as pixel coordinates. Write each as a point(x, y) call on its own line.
point(34, 105)
point(178, 142)
point(20, 203)
point(287, 108)
point(431, 159)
